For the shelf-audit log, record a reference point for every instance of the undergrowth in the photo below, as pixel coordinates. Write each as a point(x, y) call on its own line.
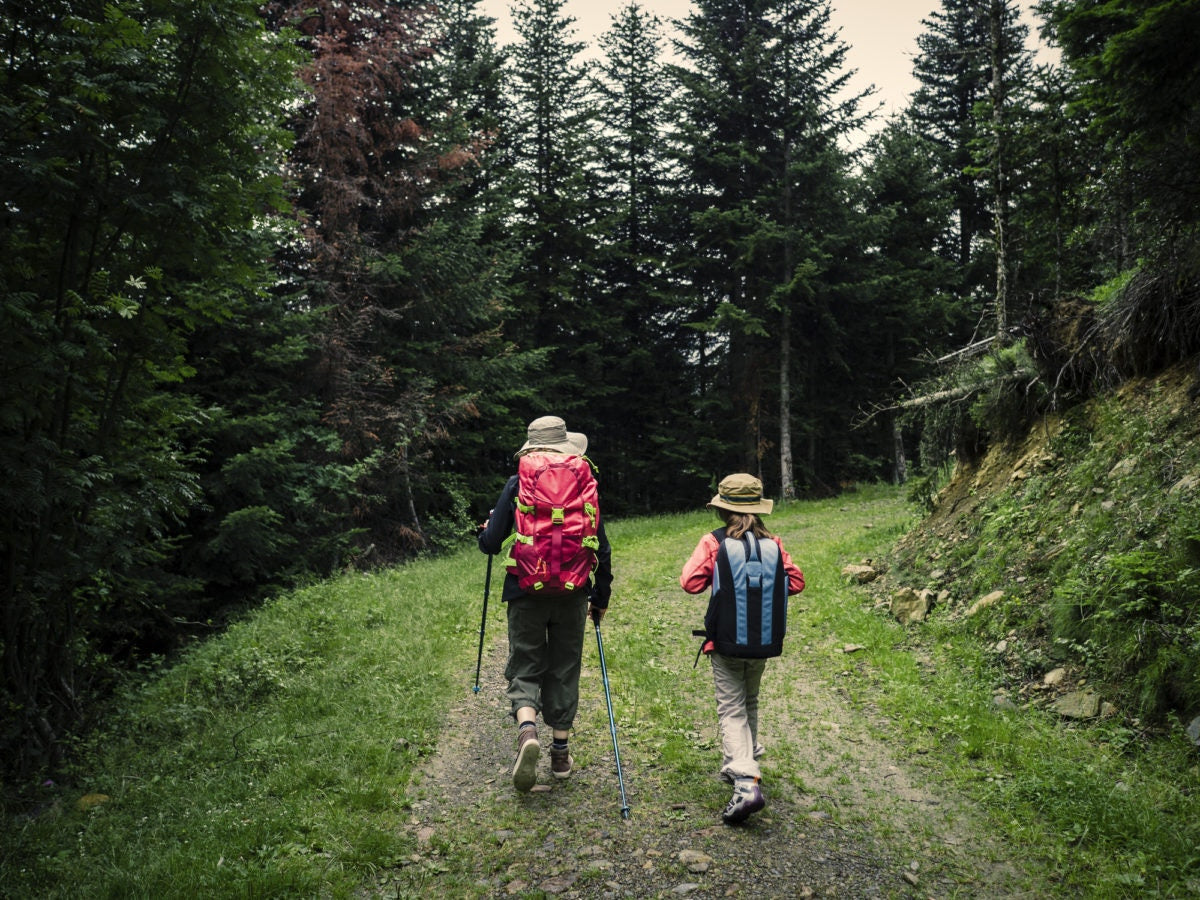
point(1094, 535)
point(1089, 528)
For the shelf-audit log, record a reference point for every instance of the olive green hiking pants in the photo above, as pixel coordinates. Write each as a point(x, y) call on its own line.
point(545, 647)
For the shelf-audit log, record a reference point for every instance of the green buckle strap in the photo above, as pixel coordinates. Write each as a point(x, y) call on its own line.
point(506, 549)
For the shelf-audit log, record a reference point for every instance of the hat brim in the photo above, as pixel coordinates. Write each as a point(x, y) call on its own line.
point(575, 445)
point(762, 506)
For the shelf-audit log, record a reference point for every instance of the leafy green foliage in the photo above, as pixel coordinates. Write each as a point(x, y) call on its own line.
point(141, 170)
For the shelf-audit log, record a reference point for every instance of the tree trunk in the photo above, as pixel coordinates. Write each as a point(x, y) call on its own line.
point(786, 476)
point(995, 25)
point(900, 469)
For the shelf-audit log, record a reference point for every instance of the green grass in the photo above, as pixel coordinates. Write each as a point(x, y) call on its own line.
point(271, 761)
point(282, 758)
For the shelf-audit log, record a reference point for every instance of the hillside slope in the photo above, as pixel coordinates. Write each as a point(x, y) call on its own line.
point(1090, 528)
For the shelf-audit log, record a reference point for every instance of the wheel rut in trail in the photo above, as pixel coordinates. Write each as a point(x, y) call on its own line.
point(843, 818)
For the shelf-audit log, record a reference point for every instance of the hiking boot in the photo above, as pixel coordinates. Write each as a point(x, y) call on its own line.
point(747, 799)
point(524, 772)
point(561, 763)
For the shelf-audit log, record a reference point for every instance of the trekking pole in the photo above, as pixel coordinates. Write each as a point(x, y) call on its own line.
point(487, 587)
point(612, 723)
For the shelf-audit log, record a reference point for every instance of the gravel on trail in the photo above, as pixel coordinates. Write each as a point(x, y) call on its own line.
point(869, 827)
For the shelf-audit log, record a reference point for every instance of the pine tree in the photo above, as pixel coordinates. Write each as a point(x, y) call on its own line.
point(644, 353)
point(911, 313)
point(1056, 159)
point(554, 191)
point(760, 130)
point(468, 105)
point(1137, 76)
point(403, 280)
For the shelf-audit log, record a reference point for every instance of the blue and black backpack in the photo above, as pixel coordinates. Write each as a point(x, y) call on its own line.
point(747, 612)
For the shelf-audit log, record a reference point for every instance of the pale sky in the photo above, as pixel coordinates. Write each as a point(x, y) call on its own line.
point(881, 36)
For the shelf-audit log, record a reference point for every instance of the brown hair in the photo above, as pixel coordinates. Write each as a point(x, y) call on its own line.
point(737, 524)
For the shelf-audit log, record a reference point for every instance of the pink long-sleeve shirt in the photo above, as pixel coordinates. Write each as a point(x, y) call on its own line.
point(698, 570)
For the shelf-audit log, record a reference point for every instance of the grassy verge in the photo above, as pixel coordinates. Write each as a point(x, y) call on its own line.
point(272, 761)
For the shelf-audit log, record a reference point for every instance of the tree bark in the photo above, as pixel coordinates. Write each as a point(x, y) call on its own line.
point(786, 476)
point(1000, 176)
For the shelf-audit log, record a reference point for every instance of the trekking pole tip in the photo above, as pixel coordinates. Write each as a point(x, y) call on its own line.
point(624, 812)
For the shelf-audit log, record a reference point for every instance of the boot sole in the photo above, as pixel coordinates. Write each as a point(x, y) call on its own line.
point(524, 772)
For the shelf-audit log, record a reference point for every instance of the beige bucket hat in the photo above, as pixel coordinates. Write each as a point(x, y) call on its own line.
point(550, 433)
point(741, 493)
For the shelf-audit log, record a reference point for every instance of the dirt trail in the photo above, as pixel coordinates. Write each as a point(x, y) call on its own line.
point(844, 818)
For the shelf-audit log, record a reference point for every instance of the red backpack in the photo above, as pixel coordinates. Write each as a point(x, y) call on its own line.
point(557, 517)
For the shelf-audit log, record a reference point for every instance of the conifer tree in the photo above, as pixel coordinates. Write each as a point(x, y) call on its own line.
point(553, 190)
point(645, 353)
point(760, 130)
point(1135, 67)
point(468, 106)
point(911, 313)
point(402, 285)
point(971, 58)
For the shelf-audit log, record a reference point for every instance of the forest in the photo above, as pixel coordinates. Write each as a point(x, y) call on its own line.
point(282, 283)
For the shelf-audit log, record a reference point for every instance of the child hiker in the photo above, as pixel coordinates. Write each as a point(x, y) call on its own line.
point(750, 577)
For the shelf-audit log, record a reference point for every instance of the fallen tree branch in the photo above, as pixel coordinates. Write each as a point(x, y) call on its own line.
point(959, 392)
point(967, 351)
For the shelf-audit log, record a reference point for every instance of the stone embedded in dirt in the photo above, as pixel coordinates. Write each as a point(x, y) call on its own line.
point(1054, 676)
point(558, 884)
point(911, 606)
point(1186, 483)
point(91, 801)
point(860, 574)
point(695, 860)
point(685, 888)
point(515, 887)
point(1193, 731)
point(1124, 467)
point(1078, 705)
point(984, 602)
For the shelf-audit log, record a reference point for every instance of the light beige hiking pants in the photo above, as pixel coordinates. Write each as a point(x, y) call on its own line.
point(736, 682)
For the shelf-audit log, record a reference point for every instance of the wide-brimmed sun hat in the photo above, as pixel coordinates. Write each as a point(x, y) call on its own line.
point(741, 493)
point(550, 433)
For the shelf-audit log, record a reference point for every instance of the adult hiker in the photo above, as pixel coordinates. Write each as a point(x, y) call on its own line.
point(558, 573)
point(749, 575)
